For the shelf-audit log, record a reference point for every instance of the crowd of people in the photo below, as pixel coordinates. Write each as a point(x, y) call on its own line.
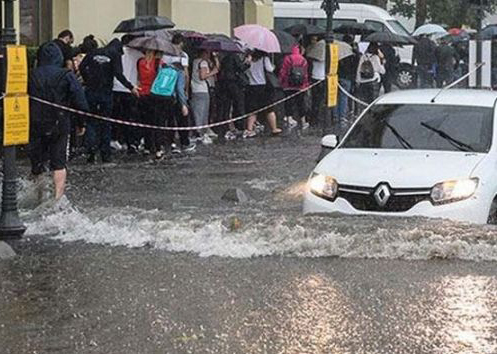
point(439, 63)
point(136, 85)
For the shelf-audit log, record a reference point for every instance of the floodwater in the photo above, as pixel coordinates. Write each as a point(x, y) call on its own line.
point(145, 257)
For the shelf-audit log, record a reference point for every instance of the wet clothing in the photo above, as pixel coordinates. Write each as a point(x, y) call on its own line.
point(100, 67)
point(294, 60)
point(391, 63)
point(424, 52)
point(447, 59)
point(50, 126)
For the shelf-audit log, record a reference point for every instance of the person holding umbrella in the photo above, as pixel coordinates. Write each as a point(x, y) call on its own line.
point(316, 54)
point(294, 77)
point(369, 73)
point(259, 94)
point(200, 101)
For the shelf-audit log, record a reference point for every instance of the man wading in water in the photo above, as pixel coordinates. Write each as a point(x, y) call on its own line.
point(50, 127)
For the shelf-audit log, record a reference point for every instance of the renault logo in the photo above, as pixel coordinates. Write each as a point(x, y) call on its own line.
point(382, 195)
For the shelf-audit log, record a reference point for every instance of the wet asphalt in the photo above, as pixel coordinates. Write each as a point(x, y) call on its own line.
point(76, 297)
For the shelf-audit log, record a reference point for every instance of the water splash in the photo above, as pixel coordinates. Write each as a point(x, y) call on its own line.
point(266, 235)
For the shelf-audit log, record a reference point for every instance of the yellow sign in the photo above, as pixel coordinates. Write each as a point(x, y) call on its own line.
point(17, 70)
point(16, 120)
point(332, 90)
point(333, 69)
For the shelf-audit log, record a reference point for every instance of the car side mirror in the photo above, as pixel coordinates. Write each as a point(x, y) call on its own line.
point(329, 141)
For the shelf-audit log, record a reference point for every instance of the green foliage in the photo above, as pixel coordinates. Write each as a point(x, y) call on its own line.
point(452, 13)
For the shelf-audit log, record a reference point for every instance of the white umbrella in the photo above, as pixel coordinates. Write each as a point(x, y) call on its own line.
point(344, 50)
point(430, 29)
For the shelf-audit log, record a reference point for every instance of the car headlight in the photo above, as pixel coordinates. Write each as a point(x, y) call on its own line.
point(323, 186)
point(453, 191)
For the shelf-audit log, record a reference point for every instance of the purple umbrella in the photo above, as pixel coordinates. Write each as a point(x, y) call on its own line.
point(220, 45)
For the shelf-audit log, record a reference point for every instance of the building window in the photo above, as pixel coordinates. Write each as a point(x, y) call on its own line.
point(36, 21)
point(146, 7)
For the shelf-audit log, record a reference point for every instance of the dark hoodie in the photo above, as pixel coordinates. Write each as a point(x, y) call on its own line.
point(99, 68)
point(51, 82)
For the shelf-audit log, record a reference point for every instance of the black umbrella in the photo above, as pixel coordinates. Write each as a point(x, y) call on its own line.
point(390, 38)
point(354, 29)
point(144, 23)
point(221, 44)
point(489, 32)
point(287, 41)
point(305, 30)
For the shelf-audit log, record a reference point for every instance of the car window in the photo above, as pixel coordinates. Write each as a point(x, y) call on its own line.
point(377, 26)
point(398, 28)
point(423, 127)
point(280, 23)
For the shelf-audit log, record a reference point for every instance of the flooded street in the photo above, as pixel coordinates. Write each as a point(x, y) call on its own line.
point(146, 257)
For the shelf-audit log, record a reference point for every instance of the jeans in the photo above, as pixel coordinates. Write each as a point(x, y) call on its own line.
point(342, 109)
point(200, 104)
point(98, 133)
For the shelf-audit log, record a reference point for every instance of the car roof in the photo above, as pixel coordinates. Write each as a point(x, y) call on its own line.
point(457, 97)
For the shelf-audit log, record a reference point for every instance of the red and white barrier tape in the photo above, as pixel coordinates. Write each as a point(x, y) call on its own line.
point(147, 126)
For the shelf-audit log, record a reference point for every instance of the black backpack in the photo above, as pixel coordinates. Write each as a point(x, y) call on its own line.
point(46, 119)
point(366, 70)
point(297, 75)
point(96, 70)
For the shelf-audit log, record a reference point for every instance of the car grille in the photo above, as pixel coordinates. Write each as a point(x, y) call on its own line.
point(401, 200)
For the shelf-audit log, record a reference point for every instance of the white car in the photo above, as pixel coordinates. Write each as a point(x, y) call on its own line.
point(414, 153)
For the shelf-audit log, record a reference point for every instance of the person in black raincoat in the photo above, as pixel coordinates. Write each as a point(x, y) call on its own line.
point(98, 70)
point(50, 127)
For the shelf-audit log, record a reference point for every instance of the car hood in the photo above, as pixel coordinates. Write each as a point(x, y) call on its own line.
point(400, 168)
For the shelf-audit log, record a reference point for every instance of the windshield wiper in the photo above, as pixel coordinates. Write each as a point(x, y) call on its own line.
point(405, 144)
point(454, 142)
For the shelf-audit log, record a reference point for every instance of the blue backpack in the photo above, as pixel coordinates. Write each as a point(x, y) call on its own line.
point(165, 82)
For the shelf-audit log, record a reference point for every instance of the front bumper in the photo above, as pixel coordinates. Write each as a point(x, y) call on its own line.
point(473, 210)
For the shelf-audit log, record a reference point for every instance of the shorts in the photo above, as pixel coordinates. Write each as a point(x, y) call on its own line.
point(257, 97)
point(48, 148)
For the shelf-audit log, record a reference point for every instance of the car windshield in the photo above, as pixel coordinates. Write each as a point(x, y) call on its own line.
point(398, 28)
point(423, 127)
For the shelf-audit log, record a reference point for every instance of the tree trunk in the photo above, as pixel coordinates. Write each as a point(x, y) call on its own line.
point(421, 12)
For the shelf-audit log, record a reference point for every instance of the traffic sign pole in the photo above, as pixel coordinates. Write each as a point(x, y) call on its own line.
point(11, 226)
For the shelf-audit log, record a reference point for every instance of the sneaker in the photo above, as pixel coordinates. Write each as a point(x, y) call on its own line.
point(189, 148)
point(206, 140)
point(249, 134)
point(292, 123)
point(159, 154)
point(114, 144)
point(230, 135)
point(132, 149)
point(175, 149)
point(259, 128)
point(146, 152)
point(211, 133)
point(305, 126)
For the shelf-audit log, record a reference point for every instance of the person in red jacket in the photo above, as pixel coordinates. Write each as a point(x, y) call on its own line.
point(294, 77)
